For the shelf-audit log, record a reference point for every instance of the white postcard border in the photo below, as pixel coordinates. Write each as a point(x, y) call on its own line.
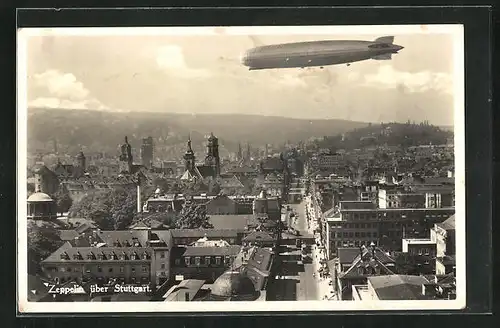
point(25, 307)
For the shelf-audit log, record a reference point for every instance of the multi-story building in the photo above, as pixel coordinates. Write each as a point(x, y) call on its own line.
point(203, 262)
point(127, 257)
point(385, 227)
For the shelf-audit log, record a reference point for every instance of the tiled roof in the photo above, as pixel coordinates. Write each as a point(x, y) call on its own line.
point(198, 233)
point(122, 237)
point(66, 253)
point(232, 222)
point(212, 251)
point(258, 236)
point(261, 259)
point(347, 255)
point(398, 287)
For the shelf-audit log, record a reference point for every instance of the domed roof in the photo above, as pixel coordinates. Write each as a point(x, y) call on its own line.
point(232, 283)
point(39, 197)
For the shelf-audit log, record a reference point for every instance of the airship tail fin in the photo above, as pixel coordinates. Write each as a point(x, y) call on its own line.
point(385, 39)
point(383, 57)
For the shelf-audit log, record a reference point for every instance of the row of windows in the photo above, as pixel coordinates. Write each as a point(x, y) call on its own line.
point(351, 234)
point(99, 269)
point(354, 243)
point(112, 256)
point(422, 251)
point(390, 215)
point(205, 260)
point(79, 279)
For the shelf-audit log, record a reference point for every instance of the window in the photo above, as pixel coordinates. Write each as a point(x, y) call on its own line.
point(197, 260)
point(144, 268)
point(356, 234)
point(99, 269)
point(133, 270)
point(356, 226)
point(345, 234)
point(162, 255)
point(207, 260)
point(162, 265)
point(351, 234)
point(177, 261)
point(110, 270)
point(368, 234)
point(217, 260)
point(69, 269)
point(187, 260)
point(363, 234)
point(374, 234)
point(122, 269)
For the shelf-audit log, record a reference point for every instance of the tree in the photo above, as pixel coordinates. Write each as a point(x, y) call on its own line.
point(167, 218)
point(193, 216)
point(63, 200)
point(42, 241)
point(109, 209)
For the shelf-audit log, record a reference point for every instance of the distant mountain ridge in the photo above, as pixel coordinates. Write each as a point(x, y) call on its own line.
point(102, 131)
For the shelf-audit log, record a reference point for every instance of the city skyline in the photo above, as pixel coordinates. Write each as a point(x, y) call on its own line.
point(203, 75)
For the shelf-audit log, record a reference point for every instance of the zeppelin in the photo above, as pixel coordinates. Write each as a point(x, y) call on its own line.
point(319, 53)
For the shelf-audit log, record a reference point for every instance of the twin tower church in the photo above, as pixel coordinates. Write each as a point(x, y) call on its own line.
point(193, 171)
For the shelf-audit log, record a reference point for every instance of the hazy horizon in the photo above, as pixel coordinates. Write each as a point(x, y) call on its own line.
point(198, 74)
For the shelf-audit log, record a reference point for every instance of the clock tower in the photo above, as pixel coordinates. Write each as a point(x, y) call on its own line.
point(212, 159)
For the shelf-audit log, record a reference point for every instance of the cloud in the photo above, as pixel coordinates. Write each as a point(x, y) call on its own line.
point(388, 78)
point(63, 90)
point(171, 59)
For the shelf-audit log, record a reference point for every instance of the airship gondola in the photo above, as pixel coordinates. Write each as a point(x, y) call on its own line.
point(319, 53)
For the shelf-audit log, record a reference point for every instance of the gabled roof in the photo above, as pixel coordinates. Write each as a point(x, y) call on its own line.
point(348, 255)
point(258, 236)
point(448, 224)
point(232, 182)
point(82, 253)
point(191, 175)
point(398, 287)
point(231, 250)
point(205, 170)
point(368, 264)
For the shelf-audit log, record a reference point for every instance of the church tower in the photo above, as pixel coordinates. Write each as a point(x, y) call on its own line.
point(80, 163)
point(126, 159)
point(212, 159)
point(189, 158)
point(240, 153)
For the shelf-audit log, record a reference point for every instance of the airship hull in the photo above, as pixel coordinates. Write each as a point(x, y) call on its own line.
point(307, 61)
point(318, 53)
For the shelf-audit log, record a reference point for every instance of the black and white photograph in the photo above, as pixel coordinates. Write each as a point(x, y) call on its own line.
point(276, 168)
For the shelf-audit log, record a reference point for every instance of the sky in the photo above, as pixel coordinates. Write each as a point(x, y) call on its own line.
point(203, 74)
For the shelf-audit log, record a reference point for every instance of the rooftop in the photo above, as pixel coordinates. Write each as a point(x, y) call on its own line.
point(448, 224)
point(40, 197)
point(398, 287)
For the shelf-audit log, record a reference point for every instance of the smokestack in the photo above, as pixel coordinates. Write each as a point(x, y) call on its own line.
point(139, 207)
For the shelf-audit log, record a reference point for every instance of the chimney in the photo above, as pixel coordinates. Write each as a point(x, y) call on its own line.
point(186, 297)
point(139, 207)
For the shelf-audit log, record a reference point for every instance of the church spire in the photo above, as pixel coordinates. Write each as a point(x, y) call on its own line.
point(189, 149)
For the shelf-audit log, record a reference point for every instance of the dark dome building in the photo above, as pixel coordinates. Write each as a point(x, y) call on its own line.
point(41, 207)
point(233, 286)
